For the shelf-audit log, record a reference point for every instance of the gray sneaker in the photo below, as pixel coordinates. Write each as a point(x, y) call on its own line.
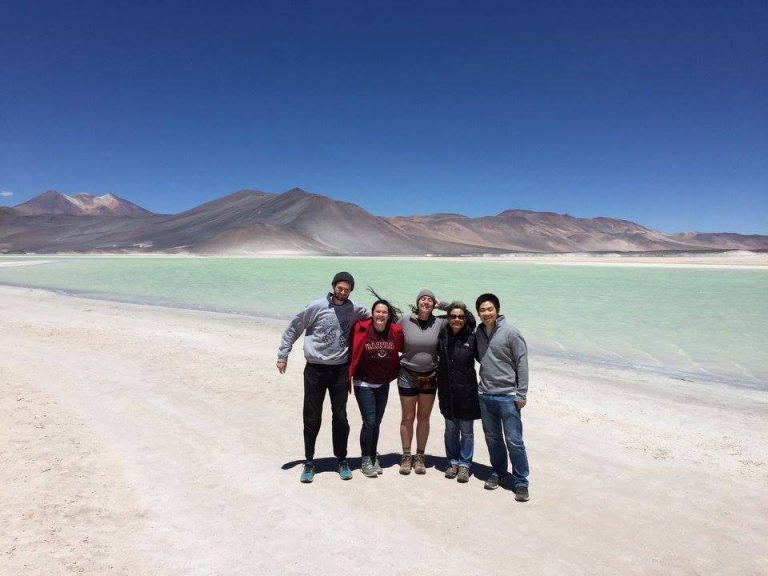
point(452, 471)
point(463, 475)
point(521, 493)
point(367, 468)
point(377, 466)
point(419, 465)
point(492, 483)
point(406, 463)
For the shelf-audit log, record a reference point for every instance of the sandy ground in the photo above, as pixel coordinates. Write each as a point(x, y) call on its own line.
point(142, 440)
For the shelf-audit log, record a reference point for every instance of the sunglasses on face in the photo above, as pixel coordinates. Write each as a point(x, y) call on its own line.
point(456, 316)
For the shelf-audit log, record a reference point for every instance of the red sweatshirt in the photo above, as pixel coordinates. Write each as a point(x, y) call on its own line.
point(359, 336)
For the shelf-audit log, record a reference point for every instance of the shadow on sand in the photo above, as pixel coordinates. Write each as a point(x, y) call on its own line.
point(391, 462)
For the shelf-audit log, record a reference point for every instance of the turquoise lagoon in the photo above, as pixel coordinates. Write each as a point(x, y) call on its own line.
point(699, 323)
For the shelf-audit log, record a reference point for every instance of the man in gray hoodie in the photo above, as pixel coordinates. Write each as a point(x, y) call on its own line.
point(326, 324)
point(503, 388)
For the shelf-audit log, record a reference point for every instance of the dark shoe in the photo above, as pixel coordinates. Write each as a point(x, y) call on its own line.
point(406, 463)
point(419, 465)
point(521, 493)
point(344, 470)
point(377, 466)
point(463, 475)
point(452, 471)
point(307, 473)
point(492, 483)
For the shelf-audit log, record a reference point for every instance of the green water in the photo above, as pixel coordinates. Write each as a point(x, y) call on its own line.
point(707, 323)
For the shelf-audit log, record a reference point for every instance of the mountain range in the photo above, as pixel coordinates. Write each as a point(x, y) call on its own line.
point(250, 222)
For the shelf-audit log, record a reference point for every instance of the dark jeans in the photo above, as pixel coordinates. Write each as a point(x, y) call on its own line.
point(317, 379)
point(372, 402)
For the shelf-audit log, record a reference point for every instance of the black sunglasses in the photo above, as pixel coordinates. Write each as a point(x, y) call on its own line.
point(456, 316)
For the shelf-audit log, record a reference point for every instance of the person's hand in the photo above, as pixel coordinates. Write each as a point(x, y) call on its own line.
point(281, 366)
point(519, 404)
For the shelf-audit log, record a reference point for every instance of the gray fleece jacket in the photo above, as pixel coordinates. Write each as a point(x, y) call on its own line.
point(327, 327)
point(503, 357)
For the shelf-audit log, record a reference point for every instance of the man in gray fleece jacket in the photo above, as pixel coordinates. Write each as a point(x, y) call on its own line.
point(503, 388)
point(327, 323)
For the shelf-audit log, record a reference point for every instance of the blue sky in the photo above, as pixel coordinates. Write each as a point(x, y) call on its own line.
point(656, 112)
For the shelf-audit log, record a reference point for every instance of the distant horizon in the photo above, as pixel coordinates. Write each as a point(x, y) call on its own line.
point(652, 113)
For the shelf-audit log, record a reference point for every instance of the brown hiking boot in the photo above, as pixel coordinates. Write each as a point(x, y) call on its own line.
point(451, 472)
point(463, 475)
point(418, 464)
point(406, 462)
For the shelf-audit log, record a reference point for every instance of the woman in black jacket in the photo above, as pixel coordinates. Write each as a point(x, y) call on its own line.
point(457, 389)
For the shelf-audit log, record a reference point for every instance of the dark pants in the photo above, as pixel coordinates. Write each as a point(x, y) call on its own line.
point(317, 379)
point(372, 403)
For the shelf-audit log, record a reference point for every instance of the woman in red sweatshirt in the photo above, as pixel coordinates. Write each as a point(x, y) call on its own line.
point(375, 348)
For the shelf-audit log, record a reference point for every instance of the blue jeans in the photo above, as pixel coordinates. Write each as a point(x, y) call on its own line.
point(372, 402)
point(459, 441)
point(503, 430)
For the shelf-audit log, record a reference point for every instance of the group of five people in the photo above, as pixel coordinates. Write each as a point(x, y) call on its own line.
point(346, 347)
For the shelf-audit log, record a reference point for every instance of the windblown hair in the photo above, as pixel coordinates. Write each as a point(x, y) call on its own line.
point(394, 312)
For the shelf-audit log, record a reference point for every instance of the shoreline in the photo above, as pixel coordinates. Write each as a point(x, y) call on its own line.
point(541, 352)
point(736, 259)
point(159, 440)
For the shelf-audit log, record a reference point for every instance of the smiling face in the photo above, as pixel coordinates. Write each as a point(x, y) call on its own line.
point(425, 305)
point(380, 316)
point(488, 313)
point(341, 292)
point(457, 319)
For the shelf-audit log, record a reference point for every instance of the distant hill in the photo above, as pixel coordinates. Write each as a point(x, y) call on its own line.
point(528, 231)
point(251, 222)
point(53, 203)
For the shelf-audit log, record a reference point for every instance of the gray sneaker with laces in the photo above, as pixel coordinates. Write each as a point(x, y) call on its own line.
point(452, 471)
point(367, 468)
point(463, 475)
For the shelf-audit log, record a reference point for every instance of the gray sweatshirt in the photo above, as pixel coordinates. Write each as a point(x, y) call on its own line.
point(327, 326)
point(420, 350)
point(503, 357)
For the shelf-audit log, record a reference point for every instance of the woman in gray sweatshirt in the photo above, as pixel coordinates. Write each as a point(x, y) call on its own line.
point(417, 381)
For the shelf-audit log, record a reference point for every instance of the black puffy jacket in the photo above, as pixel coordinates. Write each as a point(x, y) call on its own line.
point(456, 376)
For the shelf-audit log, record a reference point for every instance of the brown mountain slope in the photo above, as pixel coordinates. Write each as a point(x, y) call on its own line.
point(254, 222)
point(527, 231)
point(53, 203)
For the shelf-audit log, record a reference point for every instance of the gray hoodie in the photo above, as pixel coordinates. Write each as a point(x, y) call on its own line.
point(503, 357)
point(327, 326)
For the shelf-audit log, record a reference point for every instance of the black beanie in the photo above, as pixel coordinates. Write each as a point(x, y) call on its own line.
point(344, 277)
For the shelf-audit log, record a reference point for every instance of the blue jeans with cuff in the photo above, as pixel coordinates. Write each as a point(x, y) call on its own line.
point(503, 430)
